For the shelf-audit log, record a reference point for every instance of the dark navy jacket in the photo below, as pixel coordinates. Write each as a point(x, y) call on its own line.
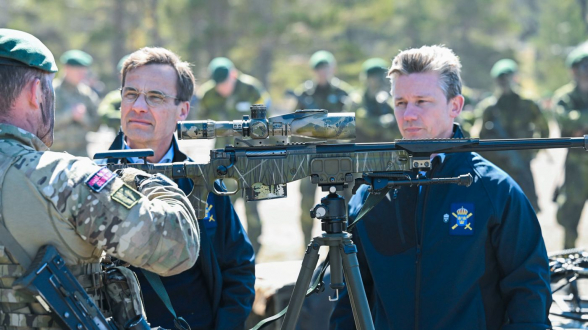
point(452, 257)
point(218, 292)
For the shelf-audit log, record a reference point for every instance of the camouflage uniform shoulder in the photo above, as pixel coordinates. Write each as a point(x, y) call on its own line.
point(205, 89)
point(562, 94)
point(86, 90)
point(341, 85)
point(486, 103)
point(306, 87)
point(251, 81)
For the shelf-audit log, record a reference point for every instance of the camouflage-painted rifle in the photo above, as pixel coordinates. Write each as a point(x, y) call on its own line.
point(262, 169)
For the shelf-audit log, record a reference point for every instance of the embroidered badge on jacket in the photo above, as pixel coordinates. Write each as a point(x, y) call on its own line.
point(462, 219)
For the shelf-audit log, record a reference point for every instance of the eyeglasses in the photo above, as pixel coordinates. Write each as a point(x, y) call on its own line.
point(152, 98)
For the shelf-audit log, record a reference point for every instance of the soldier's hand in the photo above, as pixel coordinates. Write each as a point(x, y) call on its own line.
point(132, 176)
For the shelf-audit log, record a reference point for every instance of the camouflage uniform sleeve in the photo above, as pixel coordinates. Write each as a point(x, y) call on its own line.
point(63, 116)
point(155, 230)
point(91, 119)
point(540, 121)
point(571, 121)
point(109, 109)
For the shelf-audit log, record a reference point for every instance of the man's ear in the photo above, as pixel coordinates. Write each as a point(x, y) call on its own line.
point(184, 111)
point(456, 105)
point(34, 92)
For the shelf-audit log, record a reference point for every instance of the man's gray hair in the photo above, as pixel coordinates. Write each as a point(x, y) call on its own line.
point(438, 58)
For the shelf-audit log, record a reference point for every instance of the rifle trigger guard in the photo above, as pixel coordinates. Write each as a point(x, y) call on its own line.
point(223, 170)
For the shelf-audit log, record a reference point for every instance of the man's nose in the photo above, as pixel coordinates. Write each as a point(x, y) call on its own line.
point(411, 112)
point(140, 104)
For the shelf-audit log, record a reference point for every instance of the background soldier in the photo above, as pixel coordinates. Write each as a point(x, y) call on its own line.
point(571, 102)
point(75, 104)
point(373, 109)
point(228, 95)
point(71, 203)
point(109, 108)
point(506, 115)
point(324, 92)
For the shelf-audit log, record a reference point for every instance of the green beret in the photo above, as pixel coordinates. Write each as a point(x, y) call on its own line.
point(22, 49)
point(577, 55)
point(374, 66)
point(219, 69)
point(120, 64)
point(503, 66)
point(76, 57)
point(320, 58)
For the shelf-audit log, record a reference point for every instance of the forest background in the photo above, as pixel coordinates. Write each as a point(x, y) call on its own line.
point(273, 39)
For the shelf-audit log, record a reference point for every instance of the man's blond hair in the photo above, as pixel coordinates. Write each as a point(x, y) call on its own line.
point(437, 58)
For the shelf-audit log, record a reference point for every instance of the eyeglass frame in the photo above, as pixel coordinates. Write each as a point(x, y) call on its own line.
point(165, 96)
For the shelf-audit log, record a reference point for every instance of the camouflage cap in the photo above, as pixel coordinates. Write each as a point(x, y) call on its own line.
point(577, 55)
point(23, 49)
point(76, 57)
point(504, 66)
point(320, 58)
point(219, 69)
point(374, 66)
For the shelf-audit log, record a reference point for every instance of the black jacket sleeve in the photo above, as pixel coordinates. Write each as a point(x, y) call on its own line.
point(237, 265)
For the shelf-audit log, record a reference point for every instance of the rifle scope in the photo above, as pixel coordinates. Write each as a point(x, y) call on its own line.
point(318, 124)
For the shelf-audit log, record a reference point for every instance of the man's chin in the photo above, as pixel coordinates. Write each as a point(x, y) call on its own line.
point(138, 135)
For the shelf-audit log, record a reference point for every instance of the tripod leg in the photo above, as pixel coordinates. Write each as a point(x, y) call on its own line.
point(308, 265)
point(357, 296)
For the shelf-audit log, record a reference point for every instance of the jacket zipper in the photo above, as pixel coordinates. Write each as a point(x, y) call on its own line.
point(418, 251)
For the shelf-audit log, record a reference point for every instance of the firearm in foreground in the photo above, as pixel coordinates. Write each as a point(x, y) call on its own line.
point(262, 170)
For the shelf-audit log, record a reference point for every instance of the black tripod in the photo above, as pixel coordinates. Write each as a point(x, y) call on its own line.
point(342, 252)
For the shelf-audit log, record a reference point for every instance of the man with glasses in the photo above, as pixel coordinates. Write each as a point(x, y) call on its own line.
point(218, 292)
point(571, 108)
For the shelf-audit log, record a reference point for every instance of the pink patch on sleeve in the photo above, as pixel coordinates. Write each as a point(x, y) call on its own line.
point(100, 179)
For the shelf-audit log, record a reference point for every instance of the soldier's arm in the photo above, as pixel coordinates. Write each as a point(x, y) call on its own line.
point(91, 119)
point(153, 228)
point(540, 121)
point(572, 122)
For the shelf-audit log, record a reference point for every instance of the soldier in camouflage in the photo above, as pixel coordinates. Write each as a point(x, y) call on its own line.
point(228, 95)
point(75, 105)
point(109, 107)
point(324, 92)
point(571, 109)
point(506, 115)
point(373, 109)
point(71, 203)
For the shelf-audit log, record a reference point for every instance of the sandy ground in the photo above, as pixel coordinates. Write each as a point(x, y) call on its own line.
point(282, 237)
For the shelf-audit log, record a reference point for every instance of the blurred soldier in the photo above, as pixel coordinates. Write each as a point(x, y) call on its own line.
point(82, 209)
point(571, 108)
point(328, 92)
point(228, 95)
point(217, 293)
point(373, 109)
point(506, 115)
point(109, 108)
point(75, 105)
